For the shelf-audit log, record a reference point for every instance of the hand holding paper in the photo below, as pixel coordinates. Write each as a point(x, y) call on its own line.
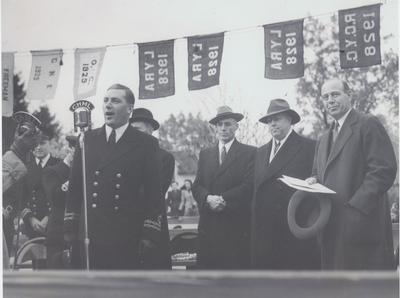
point(305, 185)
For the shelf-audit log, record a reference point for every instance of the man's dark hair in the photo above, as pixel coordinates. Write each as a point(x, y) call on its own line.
point(128, 92)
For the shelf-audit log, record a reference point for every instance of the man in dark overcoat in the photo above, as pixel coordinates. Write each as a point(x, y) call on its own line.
point(355, 158)
point(223, 190)
point(121, 162)
point(143, 120)
point(273, 246)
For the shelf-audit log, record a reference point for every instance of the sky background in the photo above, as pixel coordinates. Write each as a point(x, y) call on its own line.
point(53, 24)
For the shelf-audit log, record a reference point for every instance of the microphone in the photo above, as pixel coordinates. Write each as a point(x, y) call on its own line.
point(82, 114)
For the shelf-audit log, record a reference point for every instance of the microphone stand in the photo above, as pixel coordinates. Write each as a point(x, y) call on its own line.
point(85, 212)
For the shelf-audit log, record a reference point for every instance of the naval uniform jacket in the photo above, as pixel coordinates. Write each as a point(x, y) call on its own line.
point(36, 204)
point(160, 258)
point(360, 166)
point(118, 216)
point(224, 235)
point(272, 244)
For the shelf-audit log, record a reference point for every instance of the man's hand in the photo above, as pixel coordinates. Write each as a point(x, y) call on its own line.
point(216, 203)
point(24, 143)
point(36, 225)
point(311, 180)
point(44, 221)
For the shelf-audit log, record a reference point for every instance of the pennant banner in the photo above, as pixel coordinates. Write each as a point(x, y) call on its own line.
point(284, 48)
point(7, 64)
point(204, 60)
point(88, 64)
point(156, 69)
point(44, 75)
point(359, 36)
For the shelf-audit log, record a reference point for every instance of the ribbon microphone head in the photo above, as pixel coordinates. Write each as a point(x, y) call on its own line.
point(82, 116)
point(26, 122)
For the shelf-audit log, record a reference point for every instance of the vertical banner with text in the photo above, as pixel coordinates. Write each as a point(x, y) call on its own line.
point(156, 69)
point(46, 66)
point(88, 64)
point(284, 49)
point(359, 36)
point(204, 60)
point(7, 94)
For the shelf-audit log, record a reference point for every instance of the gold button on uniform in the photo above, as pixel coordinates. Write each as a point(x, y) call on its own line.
point(97, 173)
point(119, 175)
point(117, 186)
point(116, 197)
point(95, 195)
point(116, 208)
point(94, 205)
point(95, 183)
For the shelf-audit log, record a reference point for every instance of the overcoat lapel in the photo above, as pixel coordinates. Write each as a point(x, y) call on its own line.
point(284, 155)
point(262, 162)
point(233, 153)
point(213, 162)
point(344, 135)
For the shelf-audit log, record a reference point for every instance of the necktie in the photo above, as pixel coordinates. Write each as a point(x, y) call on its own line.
point(277, 145)
point(40, 162)
point(223, 154)
point(112, 138)
point(335, 131)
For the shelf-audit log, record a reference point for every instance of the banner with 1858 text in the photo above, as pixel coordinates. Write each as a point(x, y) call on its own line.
point(284, 49)
point(204, 60)
point(359, 36)
point(156, 69)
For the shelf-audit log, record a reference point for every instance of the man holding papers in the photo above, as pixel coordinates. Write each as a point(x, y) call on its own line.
point(355, 158)
point(272, 244)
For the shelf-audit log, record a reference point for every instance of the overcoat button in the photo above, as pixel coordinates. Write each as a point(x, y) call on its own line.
point(117, 186)
point(119, 175)
point(95, 183)
point(94, 205)
point(116, 208)
point(33, 198)
point(116, 197)
point(97, 173)
point(95, 195)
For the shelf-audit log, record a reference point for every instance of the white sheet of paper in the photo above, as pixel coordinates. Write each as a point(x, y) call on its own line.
point(303, 185)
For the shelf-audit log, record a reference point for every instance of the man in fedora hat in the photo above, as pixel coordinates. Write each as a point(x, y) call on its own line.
point(355, 158)
point(272, 244)
point(160, 258)
point(222, 189)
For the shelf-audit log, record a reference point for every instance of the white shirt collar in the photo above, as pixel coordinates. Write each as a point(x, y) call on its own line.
point(227, 145)
point(274, 141)
point(118, 131)
point(342, 119)
point(44, 160)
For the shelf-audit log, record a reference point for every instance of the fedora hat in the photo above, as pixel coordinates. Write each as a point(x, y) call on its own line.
point(144, 115)
point(225, 112)
point(308, 213)
point(277, 106)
